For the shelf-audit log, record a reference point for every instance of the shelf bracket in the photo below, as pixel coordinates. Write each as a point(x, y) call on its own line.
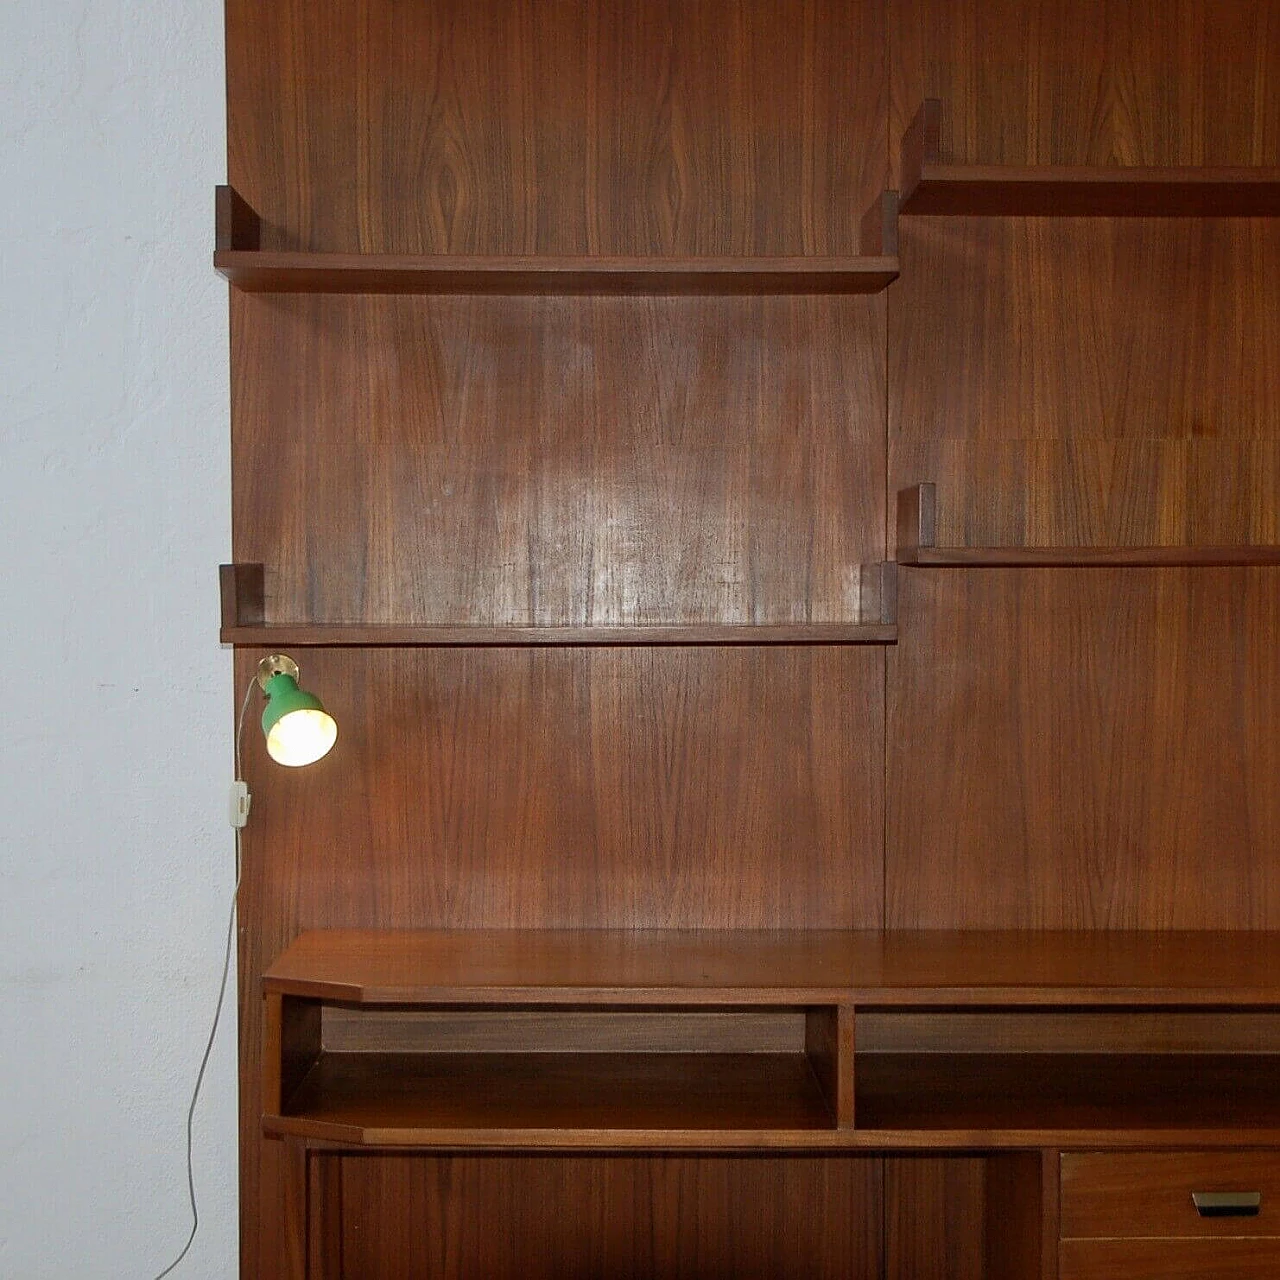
point(878, 594)
point(917, 521)
point(243, 595)
point(235, 224)
point(921, 147)
point(879, 229)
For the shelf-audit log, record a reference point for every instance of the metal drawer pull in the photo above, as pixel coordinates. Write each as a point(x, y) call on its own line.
point(1227, 1204)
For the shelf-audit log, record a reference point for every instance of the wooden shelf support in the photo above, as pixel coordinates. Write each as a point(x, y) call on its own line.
point(931, 184)
point(243, 596)
point(238, 257)
point(237, 227)
point(879, 232)
point(917, 545)
point(244, 623)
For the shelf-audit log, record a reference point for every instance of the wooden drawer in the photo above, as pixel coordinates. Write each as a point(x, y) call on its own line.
point(1169, 1260)
point(1149, 1194)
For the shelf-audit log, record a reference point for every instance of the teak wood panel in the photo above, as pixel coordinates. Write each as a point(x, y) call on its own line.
point(1112, 1194)
point(912, 984)
point(526, 126)
point(552, 461)
point(1123, 82)
point(526, 1218)
point(933, 1221)
point(573, 787)
point(585, 789)
point(1089, 382)
point(1169, 1259)
point(1090, 749)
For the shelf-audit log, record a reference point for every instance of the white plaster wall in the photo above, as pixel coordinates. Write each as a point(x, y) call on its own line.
point(115, 699)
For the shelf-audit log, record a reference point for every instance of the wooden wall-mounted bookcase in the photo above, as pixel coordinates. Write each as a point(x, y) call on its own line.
point(682, 860)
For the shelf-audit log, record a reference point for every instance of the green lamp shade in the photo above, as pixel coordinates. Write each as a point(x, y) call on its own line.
point(297, 727)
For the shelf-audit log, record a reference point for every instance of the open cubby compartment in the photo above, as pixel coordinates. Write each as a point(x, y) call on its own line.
point(1046, 1076)
point(917, 525)
point(564, 1075)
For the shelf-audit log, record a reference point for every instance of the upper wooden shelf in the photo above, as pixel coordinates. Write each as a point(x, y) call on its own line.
point(932, 186)
point(238, 258)
point(917, 525)
point(894, 969)
point(243, 624)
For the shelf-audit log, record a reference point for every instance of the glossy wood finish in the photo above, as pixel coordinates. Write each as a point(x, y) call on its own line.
point(677, 461)
point(1107, 1194)
point(1169, 1259)
point(1099, 753)
point(629, 1217)
point(237, 257)
point(771, 968)
point(1094, 755)
point(931, 185)
point(917, 532)
point(244, 622)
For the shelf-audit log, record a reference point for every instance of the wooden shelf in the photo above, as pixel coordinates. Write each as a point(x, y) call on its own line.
point(243, 624)
point(931, 186)
point(238, 258)
point(716, 968)
point(917, 525)
point(537, 1099)
point(301, 635)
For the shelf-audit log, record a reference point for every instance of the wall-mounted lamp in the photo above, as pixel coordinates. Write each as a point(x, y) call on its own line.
point(297, 727)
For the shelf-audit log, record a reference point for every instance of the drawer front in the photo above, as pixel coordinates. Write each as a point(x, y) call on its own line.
point(1169, 1260)
point(1128, 1195)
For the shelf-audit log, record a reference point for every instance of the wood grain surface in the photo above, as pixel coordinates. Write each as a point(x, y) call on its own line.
point(541, 1218)
point(258, 272)
point(1097, 746)
point(1169, 1259)
point(1088, 749)
point(1041, 82)
point(995, 971)
point(558, 462)
point(933, 1219)
point(929, 184)
point(1110, 1194)
point(522, 126)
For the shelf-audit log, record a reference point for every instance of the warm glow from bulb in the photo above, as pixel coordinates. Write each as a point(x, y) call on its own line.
point(301, 737)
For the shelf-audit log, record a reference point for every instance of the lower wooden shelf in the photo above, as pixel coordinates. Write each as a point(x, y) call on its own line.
point(538, 1099)
point(1072, 1099)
